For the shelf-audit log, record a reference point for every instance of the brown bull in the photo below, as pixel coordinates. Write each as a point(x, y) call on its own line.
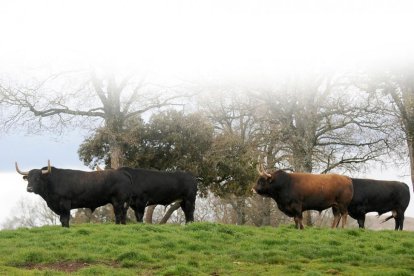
point(298, 192)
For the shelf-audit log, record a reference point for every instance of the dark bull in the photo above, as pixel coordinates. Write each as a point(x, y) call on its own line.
point(64, 189)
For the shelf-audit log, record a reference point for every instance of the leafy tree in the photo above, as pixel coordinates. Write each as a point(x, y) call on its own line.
point(170, 141)
point(231, 171)
point(233, 155)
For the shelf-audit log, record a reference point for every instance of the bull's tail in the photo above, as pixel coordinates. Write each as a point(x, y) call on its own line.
point(176, 201)
point(393, 215)
point(387, 219)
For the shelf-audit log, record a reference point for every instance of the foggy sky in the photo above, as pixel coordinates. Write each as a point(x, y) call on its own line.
point(186, 40)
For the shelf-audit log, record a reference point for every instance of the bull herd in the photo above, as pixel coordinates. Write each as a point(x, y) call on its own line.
point(65, 189)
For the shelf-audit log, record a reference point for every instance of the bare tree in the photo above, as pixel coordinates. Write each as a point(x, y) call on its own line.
point(30, 213)
point(321, 123)
point(393, 90)
point(82, 98)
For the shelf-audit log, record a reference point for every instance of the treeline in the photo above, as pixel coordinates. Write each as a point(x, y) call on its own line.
point(316, 123)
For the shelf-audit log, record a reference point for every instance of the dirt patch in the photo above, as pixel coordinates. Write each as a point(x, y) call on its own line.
point(333, 271)
point(67, 267)
point(61, 266)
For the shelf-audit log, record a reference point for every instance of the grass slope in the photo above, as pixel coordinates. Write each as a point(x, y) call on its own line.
point(204, 249)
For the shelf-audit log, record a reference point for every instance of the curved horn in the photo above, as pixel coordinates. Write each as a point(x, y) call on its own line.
point(49, 168)
point(19, 171)
point(259, 170)
point(98, 168)
point(264, 172)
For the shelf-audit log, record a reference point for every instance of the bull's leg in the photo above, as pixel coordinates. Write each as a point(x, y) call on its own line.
point(337, 217)
point(397, 223)
point(344, 215)
point(139, 209)
point(298, 217)
point(188, 208)
point(64, 219)
point(298, 221)
point(344, 218)
point(296, 211)
point(399, 220)
point(124, 213)
point(361, 221)
point(119, 212)
point(64, 213)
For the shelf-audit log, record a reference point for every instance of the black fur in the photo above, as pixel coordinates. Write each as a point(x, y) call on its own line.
point(64, 190)
point(379, 196)
point(156, 187)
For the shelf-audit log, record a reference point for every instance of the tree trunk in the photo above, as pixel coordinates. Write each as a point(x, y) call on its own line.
point(240, 210)
point(149, 213)
point(408, 119)
point(410, 143)
point(266, 207)
point(170, 211)
point(116, 155)
point(405, 104)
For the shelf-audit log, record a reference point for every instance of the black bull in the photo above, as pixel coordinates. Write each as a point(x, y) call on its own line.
point(152, 187)
point(64, 190)
point(379, 196)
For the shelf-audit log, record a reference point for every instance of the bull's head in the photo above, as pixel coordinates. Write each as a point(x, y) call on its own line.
point(262, 185)
point(34, 177)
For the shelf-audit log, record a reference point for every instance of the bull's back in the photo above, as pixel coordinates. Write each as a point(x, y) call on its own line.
point(322, 184)
point(320, 191)
point(162, 187)
point(88, 186)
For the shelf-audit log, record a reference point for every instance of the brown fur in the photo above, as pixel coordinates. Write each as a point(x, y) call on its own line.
point(324, 191)
point(298, 192)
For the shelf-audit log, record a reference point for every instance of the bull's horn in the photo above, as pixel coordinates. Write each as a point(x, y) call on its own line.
point(264, 172)
point(19, 171)
point(49, 168)
point(98, 168)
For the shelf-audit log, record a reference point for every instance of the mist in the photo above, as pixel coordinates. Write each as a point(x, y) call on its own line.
point(182, 40)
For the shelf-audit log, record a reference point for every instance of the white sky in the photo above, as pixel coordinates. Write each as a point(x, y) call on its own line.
point(187, 40)
point(204, 38)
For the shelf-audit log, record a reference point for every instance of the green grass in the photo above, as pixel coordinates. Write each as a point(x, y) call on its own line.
point(204, 249)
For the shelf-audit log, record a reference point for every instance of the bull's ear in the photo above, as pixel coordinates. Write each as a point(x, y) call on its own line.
point(25, 177)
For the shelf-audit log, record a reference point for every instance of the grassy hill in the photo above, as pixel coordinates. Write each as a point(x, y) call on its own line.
point(374, 222)
point(204, 249)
